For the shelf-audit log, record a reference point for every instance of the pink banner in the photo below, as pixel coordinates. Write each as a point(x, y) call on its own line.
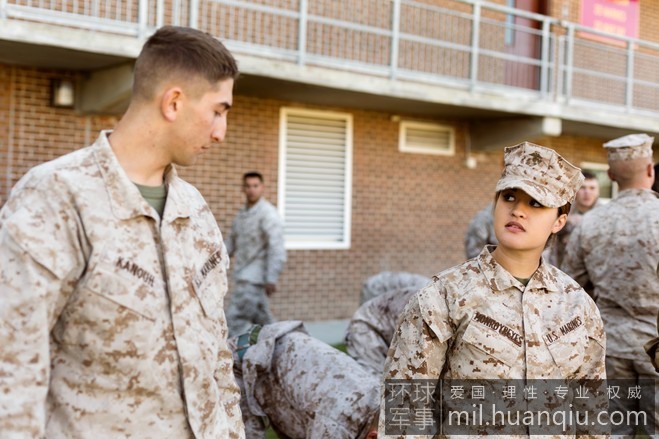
point(618, 17)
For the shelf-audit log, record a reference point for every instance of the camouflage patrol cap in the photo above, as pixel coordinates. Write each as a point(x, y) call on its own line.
point(540, 172)
point(630, 147)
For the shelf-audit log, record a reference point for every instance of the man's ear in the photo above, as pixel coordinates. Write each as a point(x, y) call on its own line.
point(373, 434)
point(650, 170)
point(171, 103)
point(559, 223)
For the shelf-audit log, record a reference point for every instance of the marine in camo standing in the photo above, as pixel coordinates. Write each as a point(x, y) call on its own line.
point(256, 243)
point(113, 272)
point(587, 198)
point(616, 248)
point(506, 314)
point(302, 387)
point(480, 232)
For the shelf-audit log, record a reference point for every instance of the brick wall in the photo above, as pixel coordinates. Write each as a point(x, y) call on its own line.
point(409, 211)
point(32, 130)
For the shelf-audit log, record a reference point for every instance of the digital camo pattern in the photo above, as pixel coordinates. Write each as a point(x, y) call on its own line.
point(306, 388)
point(386, 281)
point(248, 306)
point(476, 321)
point(111, 322)
point(372, 327)
point(540, 172)
point(630, 147)
point(256, 243)
point(555, 254)
point(616, 248)
point(480, 232)
point(652, 349)
point(632, 370)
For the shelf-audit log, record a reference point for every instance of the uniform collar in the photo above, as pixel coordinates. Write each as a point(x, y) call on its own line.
point(125, 197)
point(255, 207)
point(637, 193)
point(500, 279)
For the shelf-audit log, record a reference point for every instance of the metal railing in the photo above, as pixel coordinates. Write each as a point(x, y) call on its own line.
point(462, 43)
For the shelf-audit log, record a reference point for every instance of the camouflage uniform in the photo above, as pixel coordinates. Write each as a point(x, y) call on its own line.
point(621, 262)
point(652, 349)
point(476, 321)
point(386, 281)
point(372, 327)
point(616, 248)
point(555, 254)
point(256, 243)
point(480, 232)
point(110, 319)
point(306, 388)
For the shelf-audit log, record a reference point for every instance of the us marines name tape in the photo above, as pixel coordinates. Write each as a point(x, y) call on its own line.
point(553, 335)
point(211, 263)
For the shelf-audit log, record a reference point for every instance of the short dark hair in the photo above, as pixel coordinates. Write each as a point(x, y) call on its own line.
point(589, 175)
point(181, 52)
point(252, 174)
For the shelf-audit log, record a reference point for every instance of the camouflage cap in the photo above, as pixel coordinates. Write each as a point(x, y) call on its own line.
point(630, 147)
point(540, 172)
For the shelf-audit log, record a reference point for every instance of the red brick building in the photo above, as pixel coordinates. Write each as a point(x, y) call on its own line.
point(378, 124)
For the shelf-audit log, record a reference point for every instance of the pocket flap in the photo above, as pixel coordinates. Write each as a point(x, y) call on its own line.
point(492, 343)
point(115, 288)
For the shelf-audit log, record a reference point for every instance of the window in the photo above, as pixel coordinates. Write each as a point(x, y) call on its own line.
point(426, 138)
point(608, 188)
point(315, 169)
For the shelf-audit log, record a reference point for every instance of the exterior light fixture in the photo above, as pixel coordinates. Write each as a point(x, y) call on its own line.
point(62, 93)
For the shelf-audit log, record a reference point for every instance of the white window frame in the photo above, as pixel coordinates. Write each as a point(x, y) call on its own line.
point(406, 124)
point(312, 244)
point(601, 167)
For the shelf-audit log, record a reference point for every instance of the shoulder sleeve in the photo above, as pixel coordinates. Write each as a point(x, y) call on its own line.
point(40, 263)
point(419, 346)
point(574, 262)
point(418, 350)
point(273, 228)
point(593, 367)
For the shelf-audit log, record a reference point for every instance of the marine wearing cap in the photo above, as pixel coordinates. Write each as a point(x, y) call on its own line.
point(630, 147)
point(540, 172)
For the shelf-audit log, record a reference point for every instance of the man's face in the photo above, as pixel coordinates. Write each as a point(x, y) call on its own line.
point(253, 189)
point(588, 194)
point(202, 123)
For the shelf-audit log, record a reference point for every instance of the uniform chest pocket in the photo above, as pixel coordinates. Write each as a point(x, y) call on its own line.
point(110, 318)
point(569, 350)
point(484, 353)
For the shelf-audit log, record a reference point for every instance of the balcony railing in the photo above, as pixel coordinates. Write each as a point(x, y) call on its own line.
point(468, 44)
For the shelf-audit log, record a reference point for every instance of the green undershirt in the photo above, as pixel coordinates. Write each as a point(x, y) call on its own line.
point(523, 281)
point(155, 196)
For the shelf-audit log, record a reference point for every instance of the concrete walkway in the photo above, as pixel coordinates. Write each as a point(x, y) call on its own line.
point(329, 331)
